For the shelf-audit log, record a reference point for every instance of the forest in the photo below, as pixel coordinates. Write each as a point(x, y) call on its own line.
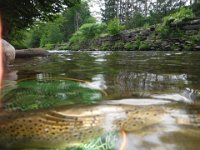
point(75, 27)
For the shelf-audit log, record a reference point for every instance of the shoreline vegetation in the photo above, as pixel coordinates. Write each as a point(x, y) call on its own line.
point(178, 29)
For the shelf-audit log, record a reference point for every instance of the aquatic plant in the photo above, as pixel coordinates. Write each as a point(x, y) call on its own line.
point(106, 142)
point(37, 94)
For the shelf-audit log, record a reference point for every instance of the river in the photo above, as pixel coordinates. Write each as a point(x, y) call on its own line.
point(149, 100)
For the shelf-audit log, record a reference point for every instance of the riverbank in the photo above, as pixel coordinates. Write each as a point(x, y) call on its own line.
point(177, 31)
point(185, 36)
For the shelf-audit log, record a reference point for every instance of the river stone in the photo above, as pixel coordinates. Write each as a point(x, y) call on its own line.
point(9, 52)
point(191, 32)
point(197, 47)
point(194, 22)
point(191, 27)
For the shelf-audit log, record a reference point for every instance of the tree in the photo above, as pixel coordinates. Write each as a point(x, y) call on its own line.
point(44, 34)
point(74, 17)
point(20, 14)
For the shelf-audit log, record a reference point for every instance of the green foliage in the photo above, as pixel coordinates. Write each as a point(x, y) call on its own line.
point(144, 45)
point(48, 93)
point(64, 46)
point(60, 29)
point(196, 37)
point(85, 34)
point(188, 47)
point(49, 46)
point(146, 25)
point(51, 32)
point(119, 45)
point(114, 27)
point(20, 14)
point(178, 17)
point(74, 18)
point(136, 44)
point(105, 46)
point(129, 46)
point(137, 20)
point(34, 35)
point(175, 19)
point(91, 20)
point(195, 8)
point(107, 142)
point(18, 39)
point(92, 30)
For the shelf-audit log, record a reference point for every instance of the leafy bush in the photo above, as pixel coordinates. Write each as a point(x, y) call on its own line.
point(178, 17)
point(92, 30)
point(135, 21)
point(114, 27)
point(86, 33)
point(175, 19)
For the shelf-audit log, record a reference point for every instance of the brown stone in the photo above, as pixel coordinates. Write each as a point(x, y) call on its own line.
point(31, 52)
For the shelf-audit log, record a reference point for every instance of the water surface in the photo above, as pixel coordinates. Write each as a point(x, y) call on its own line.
point(153, 97)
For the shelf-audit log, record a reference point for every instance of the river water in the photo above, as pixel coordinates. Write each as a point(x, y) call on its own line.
point(149, 100)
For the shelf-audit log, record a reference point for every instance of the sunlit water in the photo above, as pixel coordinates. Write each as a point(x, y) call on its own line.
point(73, 98)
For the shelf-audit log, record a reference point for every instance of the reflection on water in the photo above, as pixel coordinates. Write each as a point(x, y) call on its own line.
point(122, 74)
point(153, 97)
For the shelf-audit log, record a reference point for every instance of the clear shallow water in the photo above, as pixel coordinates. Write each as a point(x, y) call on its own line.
point(152, 96)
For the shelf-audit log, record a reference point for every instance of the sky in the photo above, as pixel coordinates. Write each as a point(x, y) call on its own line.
point(95, 8)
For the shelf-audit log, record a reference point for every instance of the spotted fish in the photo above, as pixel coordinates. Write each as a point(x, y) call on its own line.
point(63, 127)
